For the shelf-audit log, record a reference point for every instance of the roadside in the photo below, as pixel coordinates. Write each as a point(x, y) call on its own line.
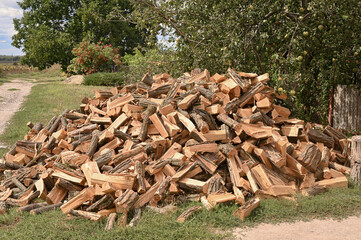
point(12, 95)
point(348, 228)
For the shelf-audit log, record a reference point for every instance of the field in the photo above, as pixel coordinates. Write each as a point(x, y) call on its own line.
point(52, 96)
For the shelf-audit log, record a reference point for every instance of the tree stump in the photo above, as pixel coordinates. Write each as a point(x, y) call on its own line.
point(356, 159)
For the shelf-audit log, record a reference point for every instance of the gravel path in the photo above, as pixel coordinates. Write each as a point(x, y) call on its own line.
point(328, 229)
point(11, 100)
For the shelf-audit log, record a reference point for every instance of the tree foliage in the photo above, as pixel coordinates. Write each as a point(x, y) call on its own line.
point(308, 46)
point(91, 58)
point(50, 29)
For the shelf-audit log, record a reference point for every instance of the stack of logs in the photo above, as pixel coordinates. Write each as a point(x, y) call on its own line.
point(213, 138)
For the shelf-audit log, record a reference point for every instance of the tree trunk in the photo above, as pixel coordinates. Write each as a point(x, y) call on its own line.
point(356, 172)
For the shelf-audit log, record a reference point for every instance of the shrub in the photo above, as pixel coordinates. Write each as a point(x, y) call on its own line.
point(155, 61)
point(91, 58)
point(105, 79)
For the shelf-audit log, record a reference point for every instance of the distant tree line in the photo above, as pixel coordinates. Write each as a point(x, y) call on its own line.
point(7, 58)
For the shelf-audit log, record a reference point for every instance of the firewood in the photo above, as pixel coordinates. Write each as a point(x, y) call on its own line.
point(146, 121)
point(246, 210)
point(30, 207)
point(85, 195)
point(111, 221)
point(310, 157)
point(126, 201)
point(105, 202)
point(87, 215)
point(188, 213)
point(45, 208)
point(3, 207)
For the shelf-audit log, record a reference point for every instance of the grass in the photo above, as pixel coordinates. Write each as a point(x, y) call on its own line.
point(52, 74)
point(13, 89)
point(337, 203)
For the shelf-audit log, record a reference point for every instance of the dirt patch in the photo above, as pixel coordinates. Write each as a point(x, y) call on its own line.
point(329, 229)
point(12, 100)
point(75, 79)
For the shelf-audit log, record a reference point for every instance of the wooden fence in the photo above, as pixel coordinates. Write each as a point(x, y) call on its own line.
point(346, 112)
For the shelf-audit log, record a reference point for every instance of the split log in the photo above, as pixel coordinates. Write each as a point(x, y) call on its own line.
point(105, 202)
point(310, 157)
point(189, 212)
point(3, 207)
point(162, 189)
point(317, 136)
point(111, 221)
point(146, 121)
point(139, 171)
point(200, 123)
point(240, 102)
point(30, 207)
point(87, 215)
point(246, 210)
point(242, 82)
point(124, 155)
point(45, 208)
point(126, 201)
point(93, 145)
point(104, 158)
point(136, 217)
point(159, 90)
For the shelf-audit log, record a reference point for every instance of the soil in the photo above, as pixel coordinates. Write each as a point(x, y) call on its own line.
point(346, 229)
point(11, 100)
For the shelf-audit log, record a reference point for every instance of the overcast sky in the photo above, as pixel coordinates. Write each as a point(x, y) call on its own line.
point(8, 10)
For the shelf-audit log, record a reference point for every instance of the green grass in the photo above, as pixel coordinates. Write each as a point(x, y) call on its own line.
point(52, 74)
point(13, 89)
point(338, 203)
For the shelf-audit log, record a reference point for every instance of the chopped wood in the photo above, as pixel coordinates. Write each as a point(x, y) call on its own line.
point(111, 221)
point(221, 136)
point(45, 208)
point(246, 209)
point(188, 213)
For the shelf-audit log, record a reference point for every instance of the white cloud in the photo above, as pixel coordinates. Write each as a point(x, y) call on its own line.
point(8, 10)
point(11, 51)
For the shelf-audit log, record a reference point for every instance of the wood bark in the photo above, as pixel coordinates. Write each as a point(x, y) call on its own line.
point(93, 145)
point(30, 207)
point(188, 213)
point(310, 157)
point(45, 208)
point(136, 217)
point(146, 122)
point(159, 90)
point(162, 189)
point(124, 155)
point(242, 82)
point(111, 221)
point(200, 123)
point(240, 102)
point(126, 201)
point(105, 202)
point(140, 172)
point(317, 136)
point(104, 158)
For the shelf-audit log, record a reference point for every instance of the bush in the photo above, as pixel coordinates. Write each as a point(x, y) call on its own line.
point(105, 79)
point(91, 58)
point(155, 61)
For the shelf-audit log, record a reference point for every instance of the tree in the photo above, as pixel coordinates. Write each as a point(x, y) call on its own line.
point(308, 46)
point(50, 29)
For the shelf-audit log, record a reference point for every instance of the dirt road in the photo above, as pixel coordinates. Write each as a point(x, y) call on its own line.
point(328, 229)
point(12, 95)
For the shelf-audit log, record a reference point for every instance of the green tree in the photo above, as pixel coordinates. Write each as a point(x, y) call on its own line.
point(309, 45)
point(50, 29)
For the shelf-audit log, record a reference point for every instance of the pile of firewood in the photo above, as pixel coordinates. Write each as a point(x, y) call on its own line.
point(221, 138)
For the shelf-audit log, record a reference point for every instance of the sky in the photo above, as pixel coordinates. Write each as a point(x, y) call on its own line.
point(8, 10)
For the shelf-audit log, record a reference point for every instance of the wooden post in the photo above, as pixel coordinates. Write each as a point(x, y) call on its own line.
point(356, 159)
